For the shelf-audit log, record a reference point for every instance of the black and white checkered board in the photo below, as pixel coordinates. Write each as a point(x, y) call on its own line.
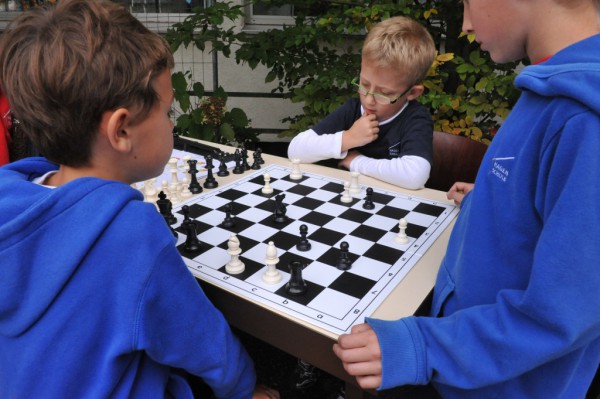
point(336, 299)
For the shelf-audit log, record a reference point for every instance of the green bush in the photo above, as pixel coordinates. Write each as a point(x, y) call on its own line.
point(314, 60)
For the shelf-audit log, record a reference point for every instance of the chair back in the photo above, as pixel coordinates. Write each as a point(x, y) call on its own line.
point(455, 158)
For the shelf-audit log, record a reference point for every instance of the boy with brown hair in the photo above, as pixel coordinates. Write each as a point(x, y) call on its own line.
point(515, 305)
point(385, 133)
point(95, 300)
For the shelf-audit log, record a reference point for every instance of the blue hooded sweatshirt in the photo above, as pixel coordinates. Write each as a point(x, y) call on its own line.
point(516, 307)
point(95, 300)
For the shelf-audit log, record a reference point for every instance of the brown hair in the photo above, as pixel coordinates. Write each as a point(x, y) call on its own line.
point(402, 44)
point(63, 67)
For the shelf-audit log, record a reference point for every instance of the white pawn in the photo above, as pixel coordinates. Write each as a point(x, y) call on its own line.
point(346, 197)
point(271, 275)
point(184, 190)
point(267, 189)
point(296, 172)
point(354, 186)
point(235, 265)
point(150, 191)
point(401, 237)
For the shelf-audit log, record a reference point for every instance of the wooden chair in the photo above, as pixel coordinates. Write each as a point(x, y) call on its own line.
point(455, 158)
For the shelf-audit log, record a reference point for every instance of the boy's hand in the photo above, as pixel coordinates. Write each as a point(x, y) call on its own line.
point(264, 392)
point(458, 191)
point(345, 163)
point(362, 132)
point(360, 354)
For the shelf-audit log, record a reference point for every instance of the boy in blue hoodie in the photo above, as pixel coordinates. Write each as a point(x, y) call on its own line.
point(95, 301)
point(516, 305)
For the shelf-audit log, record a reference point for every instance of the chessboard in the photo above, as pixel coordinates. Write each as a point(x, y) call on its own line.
point(334, 299)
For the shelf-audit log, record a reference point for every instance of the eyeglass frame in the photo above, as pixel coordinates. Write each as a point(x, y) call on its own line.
point(373, 93)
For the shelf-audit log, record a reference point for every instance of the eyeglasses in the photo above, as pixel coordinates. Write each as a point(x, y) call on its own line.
point(379, 98)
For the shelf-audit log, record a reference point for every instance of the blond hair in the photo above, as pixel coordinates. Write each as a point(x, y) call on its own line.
point(402, 44)
point(63, 67)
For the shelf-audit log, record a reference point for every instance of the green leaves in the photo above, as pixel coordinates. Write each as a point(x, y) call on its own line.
point(313, 61)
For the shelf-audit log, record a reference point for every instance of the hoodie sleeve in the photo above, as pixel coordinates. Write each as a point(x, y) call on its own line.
point(553, 317)
point(180, 327)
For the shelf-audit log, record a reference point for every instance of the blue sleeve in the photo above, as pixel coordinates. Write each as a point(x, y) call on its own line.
point(555, 318)
point(180, 327)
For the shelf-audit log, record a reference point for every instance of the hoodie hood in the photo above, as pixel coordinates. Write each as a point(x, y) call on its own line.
point(570, 73)
point(45, 235)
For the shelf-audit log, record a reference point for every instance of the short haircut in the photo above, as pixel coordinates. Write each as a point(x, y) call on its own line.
point(62, 67)
point(402, 44)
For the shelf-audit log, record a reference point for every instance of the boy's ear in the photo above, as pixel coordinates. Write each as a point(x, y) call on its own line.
point(115, 127)
point(415, 92)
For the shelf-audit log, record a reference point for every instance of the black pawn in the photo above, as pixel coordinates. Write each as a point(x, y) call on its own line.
point(210, 181)
point(238, 169)
point(192, 244)
point(303, 245)
point(296, 285)
point(245, 164)
point(368, 204)
point(165, 207)
point(259, 155)
point(344, 262)
point(229, 221)
point(194, 186)
point(185, 211)
point(222, 166)
point(256, 162)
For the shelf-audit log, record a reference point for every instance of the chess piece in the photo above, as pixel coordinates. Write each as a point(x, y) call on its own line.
point(239, 167)
point(368, 204)
point(229, 220)
point(185, 192)
point(194, 186)
point(303, 245)
point(271, 275)
point(344, 262)
point(150, 191)
point(259, 155)
point(185, 211)
point(235, 265)
point(401, 237)
point(280, 209)
point(210, 181)
point(165, 207)
point(346, 197)
point(255, 161)
point(354, 186)
point(296, 285)
point(222, 165)
point(296, 173)
point(267, 189)
point(192, 244)
point(244, 154)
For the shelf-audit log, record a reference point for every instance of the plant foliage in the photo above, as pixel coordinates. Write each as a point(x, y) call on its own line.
point(314, 60)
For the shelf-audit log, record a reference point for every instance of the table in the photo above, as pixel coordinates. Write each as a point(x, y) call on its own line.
point(309, 342)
